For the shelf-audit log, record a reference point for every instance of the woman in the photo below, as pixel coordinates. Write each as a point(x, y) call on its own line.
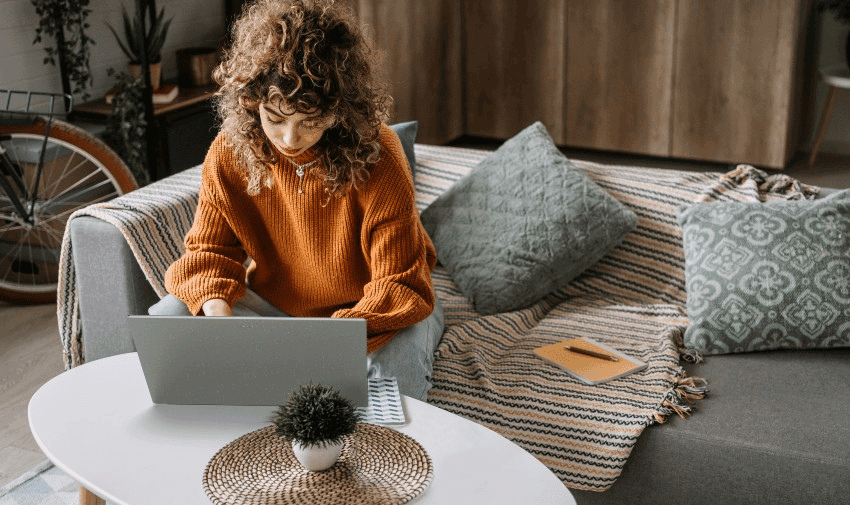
point(306, 181)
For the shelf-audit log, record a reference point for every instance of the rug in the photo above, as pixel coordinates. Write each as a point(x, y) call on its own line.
point(43, 485)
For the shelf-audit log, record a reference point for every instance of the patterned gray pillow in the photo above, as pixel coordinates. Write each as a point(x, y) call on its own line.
point(772, 275)
point(523, 222)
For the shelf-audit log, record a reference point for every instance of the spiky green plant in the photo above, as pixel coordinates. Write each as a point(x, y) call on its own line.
point(134, 37)
point(315, 415)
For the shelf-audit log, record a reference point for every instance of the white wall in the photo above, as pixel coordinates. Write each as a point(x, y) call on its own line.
point(196, 23)
point(831, 52)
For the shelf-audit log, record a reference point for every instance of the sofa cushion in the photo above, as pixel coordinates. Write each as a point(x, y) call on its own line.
point(767, 433)
point(768, 275)
point(407, 134)
point(522, 223)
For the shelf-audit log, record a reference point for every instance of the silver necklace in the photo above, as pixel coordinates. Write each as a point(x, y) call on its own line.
point(299, 171)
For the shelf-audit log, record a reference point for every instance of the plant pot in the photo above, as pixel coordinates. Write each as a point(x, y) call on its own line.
point(317, 457)
point(155, 70)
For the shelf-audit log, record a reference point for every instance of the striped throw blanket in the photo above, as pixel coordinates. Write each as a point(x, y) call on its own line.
point(633, 299)
point(154, 221)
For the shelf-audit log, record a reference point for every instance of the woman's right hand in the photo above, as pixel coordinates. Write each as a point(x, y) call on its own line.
point(216, 307)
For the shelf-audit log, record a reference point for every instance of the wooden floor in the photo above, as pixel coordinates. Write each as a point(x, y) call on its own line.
point(31, 354)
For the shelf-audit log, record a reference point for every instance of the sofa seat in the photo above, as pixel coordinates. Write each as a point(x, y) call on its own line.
point(773, 429)
point(745, 432)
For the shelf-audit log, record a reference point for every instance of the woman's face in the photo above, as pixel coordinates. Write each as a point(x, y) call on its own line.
point(291, 132)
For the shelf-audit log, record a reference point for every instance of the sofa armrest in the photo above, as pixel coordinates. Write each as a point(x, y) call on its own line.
point(110, 286)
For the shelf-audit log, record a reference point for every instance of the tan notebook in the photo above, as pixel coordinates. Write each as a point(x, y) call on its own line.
point(589, 369)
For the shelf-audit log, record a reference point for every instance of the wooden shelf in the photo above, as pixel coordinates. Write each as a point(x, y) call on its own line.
point(185, 98)
point(190, 116)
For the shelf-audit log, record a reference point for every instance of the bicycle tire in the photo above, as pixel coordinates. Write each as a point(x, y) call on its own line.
point(29, 254)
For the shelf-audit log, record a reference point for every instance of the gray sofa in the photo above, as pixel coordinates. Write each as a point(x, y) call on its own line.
point(774, 429)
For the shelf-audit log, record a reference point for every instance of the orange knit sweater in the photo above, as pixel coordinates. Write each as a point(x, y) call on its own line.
point(365, 255)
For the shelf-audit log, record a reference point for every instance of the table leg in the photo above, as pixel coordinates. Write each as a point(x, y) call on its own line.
point(824, 123)
point(89, 498)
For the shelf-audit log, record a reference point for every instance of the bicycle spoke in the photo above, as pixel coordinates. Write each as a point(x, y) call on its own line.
point(7, 210)
point(64, 173)
point(52, 233)
point(49, 240)
point(11, 226)
point(15, 251)
point(14, 155)
point(71, 189)
point(39, 251)
point(57, 178)
point(31, 261)
point(67, 212)
point(61, 173)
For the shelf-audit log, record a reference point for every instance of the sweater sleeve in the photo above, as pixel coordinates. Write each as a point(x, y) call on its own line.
point(213, 264)
point(401, 257)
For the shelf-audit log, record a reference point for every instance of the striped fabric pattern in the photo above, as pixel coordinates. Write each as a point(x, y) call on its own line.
point(484, 370)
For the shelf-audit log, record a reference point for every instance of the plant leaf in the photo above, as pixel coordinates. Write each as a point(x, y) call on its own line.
point(120, 44)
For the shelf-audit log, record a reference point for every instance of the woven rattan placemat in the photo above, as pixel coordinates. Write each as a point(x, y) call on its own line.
point(378, 465)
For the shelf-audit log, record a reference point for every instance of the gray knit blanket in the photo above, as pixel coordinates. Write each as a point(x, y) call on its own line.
point(485, 370)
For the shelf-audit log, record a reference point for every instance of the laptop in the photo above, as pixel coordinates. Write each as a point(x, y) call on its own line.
point(188, 360)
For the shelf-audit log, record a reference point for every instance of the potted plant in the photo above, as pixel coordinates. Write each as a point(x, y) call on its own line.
point(841, 11)
point(135, 39)
point(315, 419)
point(126, 126)
point(64, 21)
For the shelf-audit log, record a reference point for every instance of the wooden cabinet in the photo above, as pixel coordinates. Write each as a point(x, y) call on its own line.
point(619, 75)
point(597, 73)
point(718, 80)
point(185, 128)
point(421, 45)
point(740, 79)
point(515, 66)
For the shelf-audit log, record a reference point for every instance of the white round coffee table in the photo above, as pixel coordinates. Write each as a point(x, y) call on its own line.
point(97, 423)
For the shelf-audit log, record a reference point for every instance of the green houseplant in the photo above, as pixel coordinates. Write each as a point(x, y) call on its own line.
point(136, 39)
point(315, 419)
point(64, 21)
point(126, 126)
point(841, 11)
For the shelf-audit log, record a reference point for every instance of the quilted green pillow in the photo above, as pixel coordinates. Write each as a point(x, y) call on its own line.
point(763, 276)
point(522, 223)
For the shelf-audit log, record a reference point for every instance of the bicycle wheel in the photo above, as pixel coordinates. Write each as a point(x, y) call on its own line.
point(79, 170)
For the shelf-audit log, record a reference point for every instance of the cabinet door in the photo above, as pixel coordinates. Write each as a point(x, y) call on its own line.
point(515, 66)
point(420, 44)
point(735, 80)
point(619, 74)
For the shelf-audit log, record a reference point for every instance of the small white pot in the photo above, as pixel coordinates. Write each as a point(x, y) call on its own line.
point(317, 457)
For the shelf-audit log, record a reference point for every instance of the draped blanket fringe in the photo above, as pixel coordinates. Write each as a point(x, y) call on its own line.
point(681, 397)
point(484, 368)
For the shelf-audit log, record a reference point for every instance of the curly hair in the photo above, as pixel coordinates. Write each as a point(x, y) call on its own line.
point(312, 56)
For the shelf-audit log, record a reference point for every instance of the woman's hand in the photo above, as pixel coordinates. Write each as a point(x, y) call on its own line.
point(216, 307)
